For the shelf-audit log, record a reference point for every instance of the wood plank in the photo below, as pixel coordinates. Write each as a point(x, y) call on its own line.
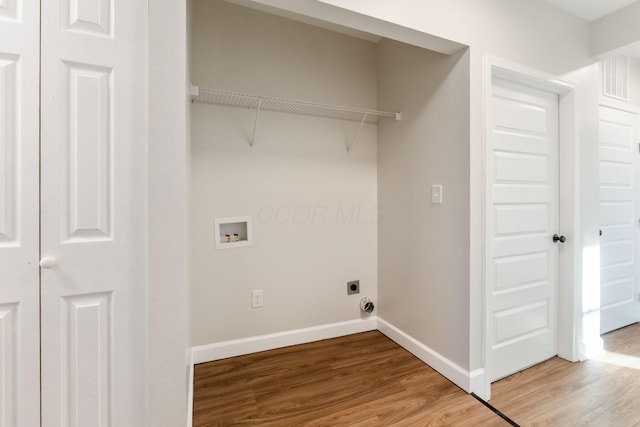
point(368, 380)
point(599, 392)
point(359, 380)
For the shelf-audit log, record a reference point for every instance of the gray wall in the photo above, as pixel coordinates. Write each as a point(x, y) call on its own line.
point(314, 206)
point(423, 255)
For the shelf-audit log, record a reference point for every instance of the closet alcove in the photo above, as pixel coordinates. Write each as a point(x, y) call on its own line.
point(331, 199)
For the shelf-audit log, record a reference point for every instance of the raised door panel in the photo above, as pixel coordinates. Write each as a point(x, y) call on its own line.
point(9, 374)
point(87, 360)
point(92, 17)
point(86, 146)
point(10, 10)
point(9, 146)
point(93, 215)
point(19, 284)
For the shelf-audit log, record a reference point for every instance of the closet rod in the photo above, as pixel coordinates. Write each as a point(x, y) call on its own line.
point(269, 103)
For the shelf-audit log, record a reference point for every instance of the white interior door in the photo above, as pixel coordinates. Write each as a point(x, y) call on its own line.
point(619, 243)
point(93, 212)
point(19, 281)
point(522, 219)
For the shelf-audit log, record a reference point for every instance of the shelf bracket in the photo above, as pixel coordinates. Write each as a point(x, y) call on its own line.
point(255, 124)
point(194, 92)
point(353, 140)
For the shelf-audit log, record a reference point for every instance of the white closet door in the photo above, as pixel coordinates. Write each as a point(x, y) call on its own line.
point(19, 282)
point(93, 212)
point(620, 241)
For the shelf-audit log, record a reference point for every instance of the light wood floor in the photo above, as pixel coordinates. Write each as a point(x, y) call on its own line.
point(359, 380)
point(368, 380)
point(604, 391)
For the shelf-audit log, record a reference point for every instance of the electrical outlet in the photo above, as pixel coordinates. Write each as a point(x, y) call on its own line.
point(257, 298)
point(353, 287)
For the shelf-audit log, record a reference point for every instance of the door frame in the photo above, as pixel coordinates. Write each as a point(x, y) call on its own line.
point(569, 321)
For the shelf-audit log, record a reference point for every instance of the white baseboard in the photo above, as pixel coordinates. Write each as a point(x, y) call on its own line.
point(474, 381)
point(468, 381)
point(478, 384)
point(224, 349)
point(190, 393)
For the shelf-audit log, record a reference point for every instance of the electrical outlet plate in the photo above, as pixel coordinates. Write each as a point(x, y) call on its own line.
point(353, 287)
point(257, 298)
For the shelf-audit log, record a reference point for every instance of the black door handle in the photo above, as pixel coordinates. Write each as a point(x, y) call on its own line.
point(557, 238)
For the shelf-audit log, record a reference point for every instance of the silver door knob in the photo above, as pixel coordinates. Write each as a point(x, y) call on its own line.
point(47, 262)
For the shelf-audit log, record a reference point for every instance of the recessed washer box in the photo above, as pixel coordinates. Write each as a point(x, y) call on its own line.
point(233, 232)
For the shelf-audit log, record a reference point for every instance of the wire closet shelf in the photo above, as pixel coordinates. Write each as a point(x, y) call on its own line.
point(268, 103)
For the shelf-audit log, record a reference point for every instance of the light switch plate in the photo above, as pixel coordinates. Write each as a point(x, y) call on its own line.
point(436, 194)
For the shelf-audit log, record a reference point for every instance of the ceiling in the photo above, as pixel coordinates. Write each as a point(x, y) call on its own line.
point(590, 10)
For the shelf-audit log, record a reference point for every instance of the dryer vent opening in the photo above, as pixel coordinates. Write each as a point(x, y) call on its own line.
point(366, 305)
